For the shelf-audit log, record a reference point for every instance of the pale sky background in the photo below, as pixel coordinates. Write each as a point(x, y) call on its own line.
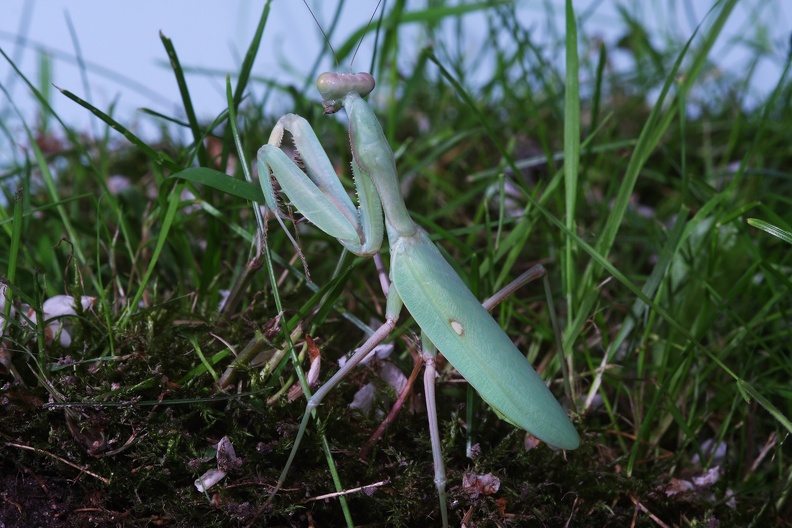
point(120, 42)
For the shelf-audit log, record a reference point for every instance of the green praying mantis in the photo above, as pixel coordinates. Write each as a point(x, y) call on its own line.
point(449, 315)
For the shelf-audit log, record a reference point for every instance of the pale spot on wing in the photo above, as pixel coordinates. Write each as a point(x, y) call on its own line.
point(457, 326)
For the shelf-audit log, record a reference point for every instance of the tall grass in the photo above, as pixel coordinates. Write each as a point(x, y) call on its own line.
point(634, 189)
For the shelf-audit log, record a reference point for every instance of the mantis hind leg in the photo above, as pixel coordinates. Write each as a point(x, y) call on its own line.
point(429, 355)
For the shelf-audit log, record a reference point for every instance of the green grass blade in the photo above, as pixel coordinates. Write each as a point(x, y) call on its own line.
point(184, 91)
point(222, 182)
point(771, 229)
point(571, 154)
point(157, 157)
point(16, 237)
point(170, 215)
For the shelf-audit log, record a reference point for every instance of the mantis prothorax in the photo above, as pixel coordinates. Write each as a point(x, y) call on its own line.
point(450, 316)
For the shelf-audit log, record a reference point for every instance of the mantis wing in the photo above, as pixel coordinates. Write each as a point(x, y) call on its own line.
point(474, 343)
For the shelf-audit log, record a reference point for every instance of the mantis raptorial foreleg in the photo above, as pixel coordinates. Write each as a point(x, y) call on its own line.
point(449, 315)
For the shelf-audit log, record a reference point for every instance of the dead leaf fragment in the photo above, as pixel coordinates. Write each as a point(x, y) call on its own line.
point(475, 485)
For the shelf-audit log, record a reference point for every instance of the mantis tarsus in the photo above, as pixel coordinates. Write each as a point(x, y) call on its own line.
point(450, 316)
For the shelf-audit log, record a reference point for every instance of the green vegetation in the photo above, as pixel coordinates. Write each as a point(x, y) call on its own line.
point(655, 198)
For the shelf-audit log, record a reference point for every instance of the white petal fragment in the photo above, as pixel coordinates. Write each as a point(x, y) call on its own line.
point(393, 376)
point(364, 399)
point(209, 479)
point(226, 461)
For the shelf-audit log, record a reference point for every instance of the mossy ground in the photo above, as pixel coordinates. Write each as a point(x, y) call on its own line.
point(144, 439)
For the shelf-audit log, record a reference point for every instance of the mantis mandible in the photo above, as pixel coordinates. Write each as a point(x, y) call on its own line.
point(450, 316)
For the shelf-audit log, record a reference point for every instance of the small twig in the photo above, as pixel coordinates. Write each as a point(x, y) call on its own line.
point(56, 457)
point(323, 497)
point(349, 491)
point(240, 284)
point(369, 445)
point(572, 515)
point(772, 440)
point(647, 512)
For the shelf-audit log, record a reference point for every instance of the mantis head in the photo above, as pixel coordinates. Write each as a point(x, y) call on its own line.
point(335, 86)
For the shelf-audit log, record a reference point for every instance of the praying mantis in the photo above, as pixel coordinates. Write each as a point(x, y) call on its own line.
point(449, 315)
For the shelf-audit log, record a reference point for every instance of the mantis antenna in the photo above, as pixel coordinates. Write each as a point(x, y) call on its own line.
point(327, 39)
point(364, 33)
